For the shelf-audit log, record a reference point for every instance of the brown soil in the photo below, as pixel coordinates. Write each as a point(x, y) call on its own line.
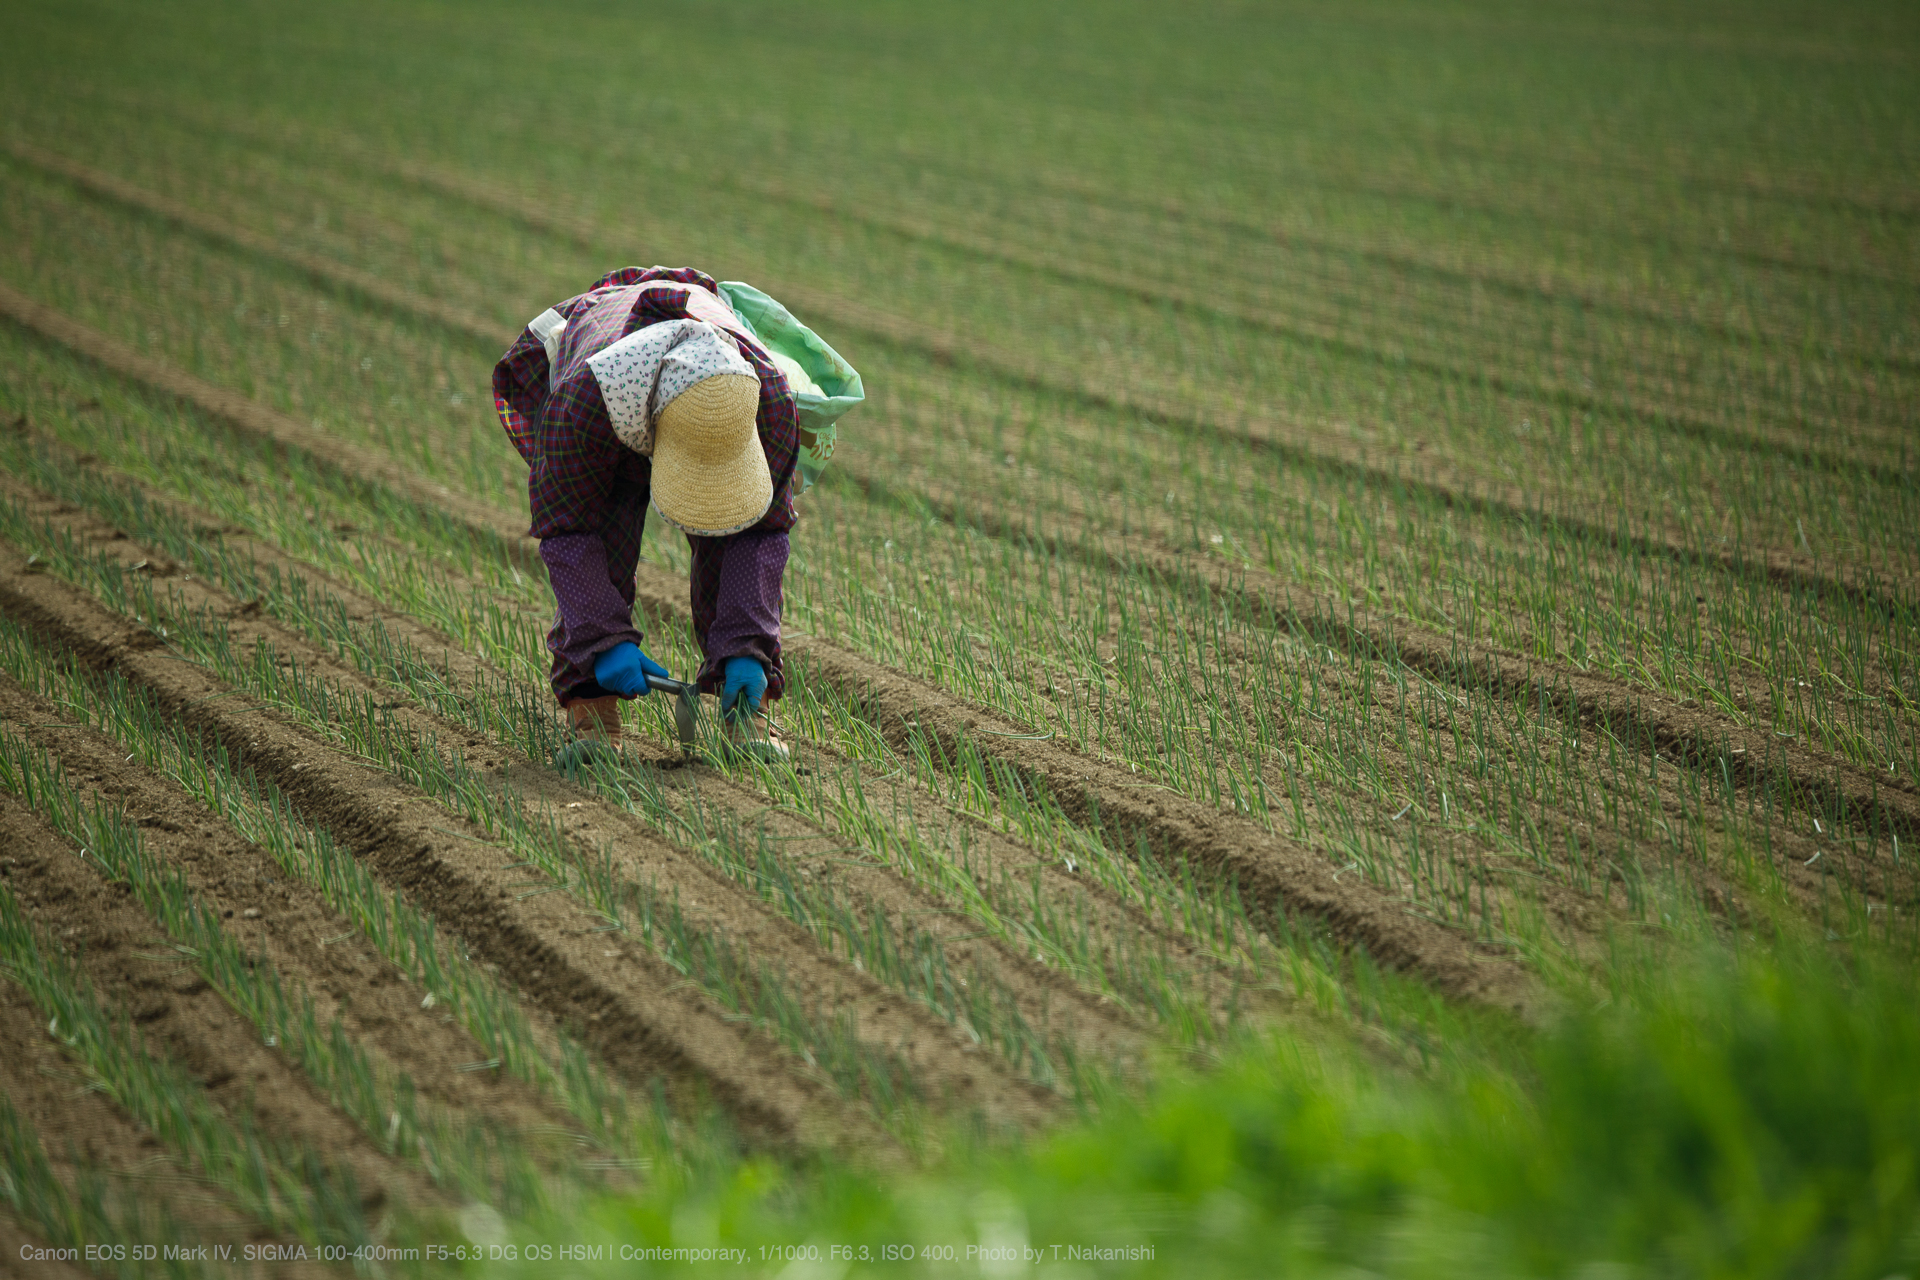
point(1118, 924)
point(48, 1089)
point(547, 944)
point(129, 962)
point(287, 924)
point(1270, 870)
point(21, 1253)
point(708, 899)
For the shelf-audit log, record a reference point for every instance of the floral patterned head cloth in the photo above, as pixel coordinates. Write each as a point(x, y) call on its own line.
point(643, 372)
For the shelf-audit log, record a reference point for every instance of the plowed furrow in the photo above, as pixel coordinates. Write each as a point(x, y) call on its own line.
point(287, 924)
point(132, 966)
point(79, 1127)
point(1268, 869)
point(1698, 735)
point(709, 899)
point(630, 1007)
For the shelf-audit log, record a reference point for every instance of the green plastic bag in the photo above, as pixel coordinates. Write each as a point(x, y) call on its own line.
point(827, 385)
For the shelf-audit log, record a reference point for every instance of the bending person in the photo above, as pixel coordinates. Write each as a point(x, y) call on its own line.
point(647, 388)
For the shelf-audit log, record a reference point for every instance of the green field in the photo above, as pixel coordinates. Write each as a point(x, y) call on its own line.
point(1356, 681)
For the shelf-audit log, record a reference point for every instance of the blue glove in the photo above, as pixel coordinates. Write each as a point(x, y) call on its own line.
point(623, 669)
point(746, 682)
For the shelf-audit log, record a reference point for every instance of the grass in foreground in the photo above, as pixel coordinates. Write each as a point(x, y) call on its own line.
point(1723, 1112)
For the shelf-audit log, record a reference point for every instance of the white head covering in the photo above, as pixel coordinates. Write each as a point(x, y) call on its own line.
point(645, 371)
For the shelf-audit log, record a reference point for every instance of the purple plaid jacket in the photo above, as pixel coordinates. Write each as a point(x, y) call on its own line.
point(588, 492)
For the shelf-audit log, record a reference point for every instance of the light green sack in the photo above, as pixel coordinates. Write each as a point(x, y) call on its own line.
point(824, 385)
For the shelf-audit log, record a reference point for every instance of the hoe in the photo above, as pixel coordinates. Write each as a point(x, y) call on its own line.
point(686, 724)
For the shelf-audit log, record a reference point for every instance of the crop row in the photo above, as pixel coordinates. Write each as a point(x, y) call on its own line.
point(1461, 893)
point(1599, 597)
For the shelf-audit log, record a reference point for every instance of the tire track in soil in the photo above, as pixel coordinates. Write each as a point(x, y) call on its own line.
point(1280, 874)
point(707, 897)
point(287, 924)
point(629, 1007)
point(1291, 442)
point(117, 945)
point(1700, 737)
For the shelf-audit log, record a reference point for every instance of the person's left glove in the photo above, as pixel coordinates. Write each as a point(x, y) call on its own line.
point(624, 669)
point(745, 683)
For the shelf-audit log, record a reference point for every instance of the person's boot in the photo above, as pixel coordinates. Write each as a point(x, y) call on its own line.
point(751, 734)
point(595, 723)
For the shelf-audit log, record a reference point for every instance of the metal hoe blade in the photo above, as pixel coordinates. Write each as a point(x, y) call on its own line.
point(686, 708)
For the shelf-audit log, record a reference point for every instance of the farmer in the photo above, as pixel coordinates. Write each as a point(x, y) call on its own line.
point(649, 387)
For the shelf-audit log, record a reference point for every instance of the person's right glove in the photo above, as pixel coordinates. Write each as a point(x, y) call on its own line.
point(624, 669)
point(745, 685)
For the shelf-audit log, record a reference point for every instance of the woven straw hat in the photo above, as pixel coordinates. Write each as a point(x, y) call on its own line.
point(710, 474)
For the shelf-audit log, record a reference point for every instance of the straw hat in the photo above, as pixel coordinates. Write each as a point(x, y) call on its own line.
point(710, 474)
